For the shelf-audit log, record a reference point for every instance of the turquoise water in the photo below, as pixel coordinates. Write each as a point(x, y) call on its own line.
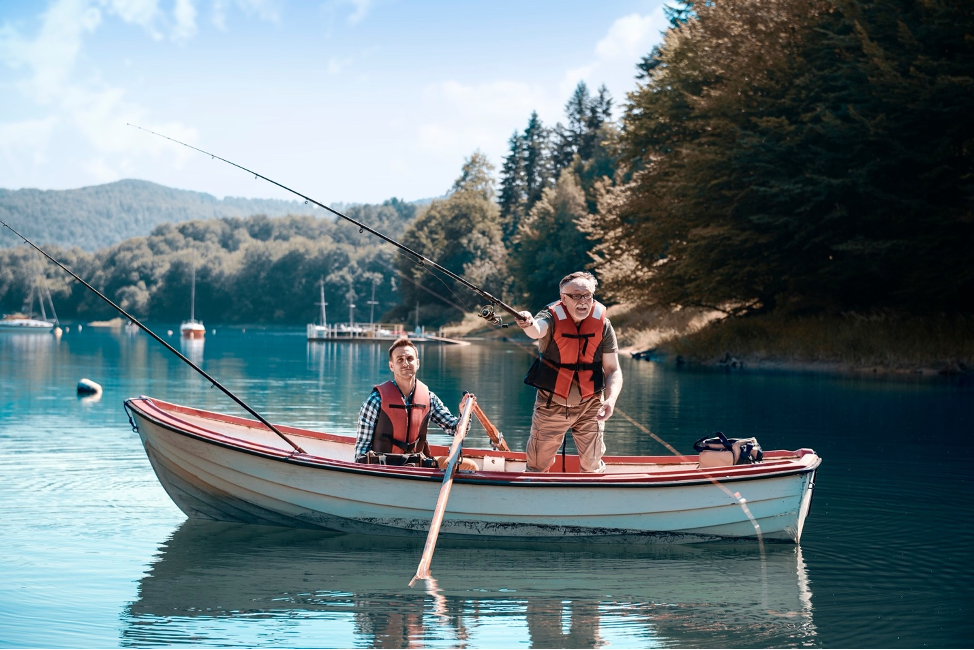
point(94, 554)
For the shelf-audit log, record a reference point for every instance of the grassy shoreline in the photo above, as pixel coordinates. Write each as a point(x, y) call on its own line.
point(847, 343)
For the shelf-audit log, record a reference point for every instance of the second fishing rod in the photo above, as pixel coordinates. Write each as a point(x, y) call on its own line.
point(488, 313)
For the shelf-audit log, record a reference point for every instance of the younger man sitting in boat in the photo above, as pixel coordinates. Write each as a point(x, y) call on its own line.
point(392, 422)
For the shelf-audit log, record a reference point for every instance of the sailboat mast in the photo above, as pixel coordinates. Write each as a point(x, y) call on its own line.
point(372, 304)
point(192, 293)
point(40, 301)
point(50, 300)
point(324, 317)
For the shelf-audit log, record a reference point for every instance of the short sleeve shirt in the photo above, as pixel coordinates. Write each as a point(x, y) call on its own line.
point(609, 345)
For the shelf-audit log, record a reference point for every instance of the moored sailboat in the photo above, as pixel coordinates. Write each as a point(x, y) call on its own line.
point(26, 322)
point(192, 328)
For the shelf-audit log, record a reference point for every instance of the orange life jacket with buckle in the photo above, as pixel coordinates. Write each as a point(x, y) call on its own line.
point(401, 427)
point(575, 351)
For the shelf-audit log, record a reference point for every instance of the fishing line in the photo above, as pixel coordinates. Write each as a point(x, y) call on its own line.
point(420, 286)
point(153, 335)
point(441, 281)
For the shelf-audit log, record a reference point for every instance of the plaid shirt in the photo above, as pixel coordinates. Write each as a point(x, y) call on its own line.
point(369, 415)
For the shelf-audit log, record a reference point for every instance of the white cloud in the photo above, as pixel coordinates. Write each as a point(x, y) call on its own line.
point(219, 14)
point(185, 15)
point(458, 118)
point(361, 10)
point(78, 104)
point(336, 65)
point(26, 141)
point(629, 38)
point(497, 99)
point(51, 55)
point(267, 10)
point(476, 116)
point(143, 13)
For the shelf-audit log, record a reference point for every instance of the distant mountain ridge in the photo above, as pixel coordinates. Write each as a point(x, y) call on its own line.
point(101, 215)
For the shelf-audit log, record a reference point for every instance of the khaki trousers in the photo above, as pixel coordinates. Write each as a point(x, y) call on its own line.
point(548, 428)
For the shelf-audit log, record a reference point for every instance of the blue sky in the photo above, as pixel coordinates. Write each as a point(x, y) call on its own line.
point(344, 100)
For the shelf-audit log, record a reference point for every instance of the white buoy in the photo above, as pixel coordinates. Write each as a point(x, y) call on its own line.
point(88, 387)
point(169, 332)
point(213, 332)
point(79, 327)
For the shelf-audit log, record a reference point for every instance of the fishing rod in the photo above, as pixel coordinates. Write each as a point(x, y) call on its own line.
point(153, 335)
point(487, 312)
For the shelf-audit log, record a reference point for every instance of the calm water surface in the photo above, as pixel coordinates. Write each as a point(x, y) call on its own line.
point(94, 554)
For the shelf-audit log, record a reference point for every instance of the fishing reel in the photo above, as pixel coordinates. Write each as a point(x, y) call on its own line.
point(488, 314)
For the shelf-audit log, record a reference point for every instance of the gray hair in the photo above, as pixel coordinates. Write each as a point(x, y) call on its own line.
point(583, 275)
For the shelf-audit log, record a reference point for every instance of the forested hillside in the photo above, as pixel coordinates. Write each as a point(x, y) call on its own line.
point(101, 215)
point(248, 270)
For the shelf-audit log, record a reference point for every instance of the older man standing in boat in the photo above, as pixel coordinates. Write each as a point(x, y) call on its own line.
point(577, 374)
point(393, 421)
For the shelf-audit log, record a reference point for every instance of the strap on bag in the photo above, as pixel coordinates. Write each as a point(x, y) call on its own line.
point(745, 451)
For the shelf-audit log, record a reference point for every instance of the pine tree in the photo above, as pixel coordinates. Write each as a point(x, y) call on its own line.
point(537, 163)
point(679, 14)
point(549, 243)
point(513, 194)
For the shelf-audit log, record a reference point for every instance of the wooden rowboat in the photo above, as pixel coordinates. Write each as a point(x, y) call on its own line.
point(222, 467)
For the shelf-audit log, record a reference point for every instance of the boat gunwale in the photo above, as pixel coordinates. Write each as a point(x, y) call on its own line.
point(728, 474)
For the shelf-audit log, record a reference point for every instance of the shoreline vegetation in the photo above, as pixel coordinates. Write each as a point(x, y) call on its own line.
point(881, 344)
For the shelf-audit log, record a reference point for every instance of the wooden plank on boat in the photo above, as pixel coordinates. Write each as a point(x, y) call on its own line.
point(495, 436)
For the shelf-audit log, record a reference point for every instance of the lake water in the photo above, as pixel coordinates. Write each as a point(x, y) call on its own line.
point(94, 554)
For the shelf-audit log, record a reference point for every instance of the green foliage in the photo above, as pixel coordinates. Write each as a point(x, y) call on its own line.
point(586, 117)
point(463, 234)
point(513, 196)
point(804, 154)
point(101, 215)
point(550, 243)
point(584, 157)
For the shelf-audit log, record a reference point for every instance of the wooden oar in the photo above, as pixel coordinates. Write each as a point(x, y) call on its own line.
point(496, 436)
point(466, 406)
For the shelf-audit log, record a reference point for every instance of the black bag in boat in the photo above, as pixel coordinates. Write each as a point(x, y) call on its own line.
point(719, 451)
point(397, 460)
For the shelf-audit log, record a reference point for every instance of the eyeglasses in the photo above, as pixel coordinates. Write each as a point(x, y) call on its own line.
point(579, 297)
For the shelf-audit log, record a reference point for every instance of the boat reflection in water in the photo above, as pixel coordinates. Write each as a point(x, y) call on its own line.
point(236, 584)
point(192, 349)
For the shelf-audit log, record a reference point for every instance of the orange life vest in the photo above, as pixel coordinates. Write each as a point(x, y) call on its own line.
point(575, 351)
point(401, 428)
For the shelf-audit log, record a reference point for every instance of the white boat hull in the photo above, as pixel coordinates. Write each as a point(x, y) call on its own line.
point(222, 470)
point(26, 325)
point(192, 330)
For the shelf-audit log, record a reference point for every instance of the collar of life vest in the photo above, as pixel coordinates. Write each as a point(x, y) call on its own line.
point(559, 310)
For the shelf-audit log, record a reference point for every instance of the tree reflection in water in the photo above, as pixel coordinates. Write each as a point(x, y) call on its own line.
point(234, 584)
